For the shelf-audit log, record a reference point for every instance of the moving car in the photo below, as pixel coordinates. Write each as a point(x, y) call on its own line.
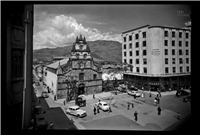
point(45, 94)
point(76, 111)
point(103, 105)
point(134, 92)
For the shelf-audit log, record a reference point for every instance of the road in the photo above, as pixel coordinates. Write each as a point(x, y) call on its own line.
point(123, 119)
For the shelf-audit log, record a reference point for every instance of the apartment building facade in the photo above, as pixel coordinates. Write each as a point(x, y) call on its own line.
point(160, 55)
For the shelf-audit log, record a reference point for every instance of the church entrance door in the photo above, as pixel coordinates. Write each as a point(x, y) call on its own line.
point(81, 89)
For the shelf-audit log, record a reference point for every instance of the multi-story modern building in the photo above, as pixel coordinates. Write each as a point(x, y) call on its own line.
point(161, 56)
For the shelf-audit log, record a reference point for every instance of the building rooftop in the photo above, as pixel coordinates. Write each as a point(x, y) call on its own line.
point(157, 75)
point(169, 27)
point(55, 64)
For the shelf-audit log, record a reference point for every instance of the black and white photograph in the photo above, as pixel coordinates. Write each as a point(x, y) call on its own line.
point(98, 66)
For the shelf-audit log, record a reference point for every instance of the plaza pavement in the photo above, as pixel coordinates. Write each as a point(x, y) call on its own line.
point(150, 116)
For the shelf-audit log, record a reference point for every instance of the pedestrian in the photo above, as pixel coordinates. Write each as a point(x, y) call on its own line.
point(155, 101)
point(134, 96)
point(150, 94)
point(64, 102)
point(159, 110)
point(98, 109)
point(94, 110)
point(110, 109)
point(128, 107)
point(93, 96)
point(51, 125)
point(132, 103)
point(135, 114)
point(178, 116)
point(158, 100)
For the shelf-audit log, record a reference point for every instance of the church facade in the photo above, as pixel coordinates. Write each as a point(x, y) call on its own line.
point(80, 74)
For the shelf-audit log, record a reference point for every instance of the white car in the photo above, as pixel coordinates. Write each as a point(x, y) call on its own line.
point(103, 105)
point(134, 93)
point(75, 110)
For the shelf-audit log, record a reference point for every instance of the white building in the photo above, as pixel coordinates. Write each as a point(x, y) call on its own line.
point(160, 52)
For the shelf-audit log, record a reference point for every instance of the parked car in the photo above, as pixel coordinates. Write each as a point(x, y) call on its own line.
point(187, 99)
point(81, 100)
point(40, 121)
point(103, 105)
point(134, 92)
point(183, 93)
point(45, 94)
point(76, 111)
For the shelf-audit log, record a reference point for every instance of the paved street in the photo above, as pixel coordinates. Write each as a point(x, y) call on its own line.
point(122, 119)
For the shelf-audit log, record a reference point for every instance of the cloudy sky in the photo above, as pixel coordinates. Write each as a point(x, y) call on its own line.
point(58, 25)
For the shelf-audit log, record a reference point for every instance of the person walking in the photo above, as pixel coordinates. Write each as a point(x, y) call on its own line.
point(64, 102)
point(135, 114)
point(110, 109)
point(93, 96)
point(155, 101)
point(158, 100)
point(128, 106)
point(178, 116)
point(150, 94)
point(98, 109)
point(94, 110)
point(51, 125)
point(159, 110)
point(132, 103)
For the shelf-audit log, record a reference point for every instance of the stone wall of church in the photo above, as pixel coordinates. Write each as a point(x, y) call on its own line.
point(93, 89)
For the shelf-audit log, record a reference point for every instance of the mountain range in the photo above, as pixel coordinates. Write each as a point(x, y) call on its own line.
point(100, 49)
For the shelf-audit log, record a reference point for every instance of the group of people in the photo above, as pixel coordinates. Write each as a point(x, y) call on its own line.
point(132, 105)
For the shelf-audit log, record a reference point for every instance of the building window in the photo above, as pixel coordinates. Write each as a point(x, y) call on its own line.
point(173, 61)
point(81, 76)
point(187, 60)
point(166, 70)
point(188, 69)
point(180, 52)
point(180, 43)
point(131, 69)
point(137, 44)
point(130, 37)
point(137, 53)
point(173, 33)
point(166, 52)
point(186, 52)
point(137, 61)
point(124, 60)
point(166, 60)
point(124, 46)
point(144, 43)
point(130, 46)
point(166, 43)
point(173, 51)
point(145, 70)
point(173, 43)
point(124, 39)
point(130, 53)
point(136, 36)
point(124, 54)
point(137, 69)
point(144, 34)
point(131, 61)
point(166, 33)
point(180, 61)
point(94, 77)
point(180, 34)
point(144, 52)
point(186, 43)
point(174, 69)
point(144, 61)
point(181, 69)
point(187, 35)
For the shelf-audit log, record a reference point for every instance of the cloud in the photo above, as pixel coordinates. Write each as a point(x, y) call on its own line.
point(61, 30)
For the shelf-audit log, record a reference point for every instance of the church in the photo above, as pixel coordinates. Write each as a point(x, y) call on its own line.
point(79, 74)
